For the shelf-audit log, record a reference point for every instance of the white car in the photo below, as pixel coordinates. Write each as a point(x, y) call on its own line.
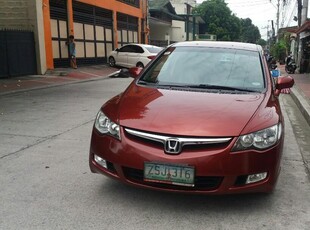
point(133, 55)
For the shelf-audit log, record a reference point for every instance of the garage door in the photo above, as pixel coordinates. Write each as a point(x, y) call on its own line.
point(59, 29)
point(93, 32)
point(127, 29)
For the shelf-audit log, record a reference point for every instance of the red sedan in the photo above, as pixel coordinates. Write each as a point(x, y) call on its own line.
point(202, 117)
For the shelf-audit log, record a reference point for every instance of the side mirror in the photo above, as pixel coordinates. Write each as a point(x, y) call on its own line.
point(117, 49)
point(283, 83)
point(135, 71)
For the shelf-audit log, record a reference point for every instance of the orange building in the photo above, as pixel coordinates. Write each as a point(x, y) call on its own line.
point(99, 26)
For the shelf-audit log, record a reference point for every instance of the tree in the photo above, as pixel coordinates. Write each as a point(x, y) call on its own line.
point(219, 20)
point(249, 32)
point(262, 42)
point(279, 49)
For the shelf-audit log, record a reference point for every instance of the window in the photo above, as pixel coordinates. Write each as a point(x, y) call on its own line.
point(127, 49)
point(208, 66)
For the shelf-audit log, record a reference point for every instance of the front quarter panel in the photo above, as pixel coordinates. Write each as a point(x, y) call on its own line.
point(267, 115)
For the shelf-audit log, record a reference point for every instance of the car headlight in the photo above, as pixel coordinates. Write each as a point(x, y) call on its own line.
point(262, 139)
point(105, 126)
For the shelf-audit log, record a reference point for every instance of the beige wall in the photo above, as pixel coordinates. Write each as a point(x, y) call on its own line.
point(14, 14)
point(26, 15)
point(178, 31)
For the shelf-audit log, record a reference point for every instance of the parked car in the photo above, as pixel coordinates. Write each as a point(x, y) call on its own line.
point(203, 117)
point(133, 55)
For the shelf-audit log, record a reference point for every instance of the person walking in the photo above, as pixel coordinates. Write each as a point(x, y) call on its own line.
point(72, 51)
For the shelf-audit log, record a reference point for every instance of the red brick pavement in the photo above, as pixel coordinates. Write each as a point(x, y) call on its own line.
point(55, 77)
point(302, 81)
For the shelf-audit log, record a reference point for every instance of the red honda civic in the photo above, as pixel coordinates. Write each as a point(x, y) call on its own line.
point(202, 117)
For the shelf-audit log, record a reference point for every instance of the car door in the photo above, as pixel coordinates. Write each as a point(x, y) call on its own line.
point(134, 55)
point(122, 56)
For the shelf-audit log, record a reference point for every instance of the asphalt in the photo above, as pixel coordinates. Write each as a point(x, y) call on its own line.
point(300, 91)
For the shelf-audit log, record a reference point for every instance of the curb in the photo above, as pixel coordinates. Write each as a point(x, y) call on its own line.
point(301, 102)
point(54, 85)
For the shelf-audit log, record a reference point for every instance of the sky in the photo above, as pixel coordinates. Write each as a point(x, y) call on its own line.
point(261, 12)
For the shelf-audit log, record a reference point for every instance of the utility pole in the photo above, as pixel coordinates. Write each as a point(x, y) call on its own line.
point(304, 11)
point(299, 9)
point(278, 18)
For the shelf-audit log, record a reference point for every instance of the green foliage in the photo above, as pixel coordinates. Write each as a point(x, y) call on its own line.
point(261, 42)
point(279, 50)
point(219, 20)
point(249, 32)
point(227, 26)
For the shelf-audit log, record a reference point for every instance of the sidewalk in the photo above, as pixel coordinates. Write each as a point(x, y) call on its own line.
point(300, 92)
point(59, 76)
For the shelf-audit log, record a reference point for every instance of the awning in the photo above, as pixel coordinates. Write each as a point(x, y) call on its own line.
point(304, 27)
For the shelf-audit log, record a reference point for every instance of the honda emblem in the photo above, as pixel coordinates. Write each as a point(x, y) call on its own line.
point(173, 146)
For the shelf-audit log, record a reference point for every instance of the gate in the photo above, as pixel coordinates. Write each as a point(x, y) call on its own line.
point(127, 29)
point(93, 32)
point(17, 53)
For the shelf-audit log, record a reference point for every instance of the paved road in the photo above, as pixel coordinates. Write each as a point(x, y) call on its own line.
point(45, 182)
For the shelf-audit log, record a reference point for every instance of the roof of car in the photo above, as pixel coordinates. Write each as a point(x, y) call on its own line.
point(218, 44)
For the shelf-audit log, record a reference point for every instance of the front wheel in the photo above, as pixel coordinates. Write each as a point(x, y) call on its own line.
point(139, 64)
point(111, 61)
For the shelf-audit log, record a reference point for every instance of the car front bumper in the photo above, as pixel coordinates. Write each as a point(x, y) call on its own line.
point(217, 170)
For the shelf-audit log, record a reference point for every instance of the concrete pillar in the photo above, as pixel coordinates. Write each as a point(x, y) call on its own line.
point(115, 30)
point(35, 13)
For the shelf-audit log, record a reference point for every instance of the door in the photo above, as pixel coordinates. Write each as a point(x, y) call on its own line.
point(122, 55)
point(134, 56)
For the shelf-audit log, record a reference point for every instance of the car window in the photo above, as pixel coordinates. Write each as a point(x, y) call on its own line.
point(208, 66)
point(127, 48)
point(137, 49)
point(153, 49)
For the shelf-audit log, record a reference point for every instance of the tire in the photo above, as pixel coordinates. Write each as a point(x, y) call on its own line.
point(140, 64)
point(111, 61)
point(286, 70)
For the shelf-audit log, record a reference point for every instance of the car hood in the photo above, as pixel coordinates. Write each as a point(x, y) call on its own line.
point(187, 113)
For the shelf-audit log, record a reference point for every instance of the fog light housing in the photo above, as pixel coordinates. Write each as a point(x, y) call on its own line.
point(101, 161)
point(256, 177)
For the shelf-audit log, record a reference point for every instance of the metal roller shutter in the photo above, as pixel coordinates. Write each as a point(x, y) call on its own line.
point(127, 28)
point(93, 30)
point(59, 28)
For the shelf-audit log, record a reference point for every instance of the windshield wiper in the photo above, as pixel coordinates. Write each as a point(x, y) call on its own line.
point(220, 87)
point(199, 86)
point(142, 82)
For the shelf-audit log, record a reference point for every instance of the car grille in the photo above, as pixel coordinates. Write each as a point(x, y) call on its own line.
point(186, 143)
point(201, 182)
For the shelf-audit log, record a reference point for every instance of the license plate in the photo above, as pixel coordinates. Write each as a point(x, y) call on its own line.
point(169, 174)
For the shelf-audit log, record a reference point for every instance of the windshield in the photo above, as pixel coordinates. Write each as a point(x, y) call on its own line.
point(202, 66)
point(153, 49)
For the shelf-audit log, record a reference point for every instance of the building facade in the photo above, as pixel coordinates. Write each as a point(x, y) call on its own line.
point(98, 28)
point(173, 21)
point(33, 33)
